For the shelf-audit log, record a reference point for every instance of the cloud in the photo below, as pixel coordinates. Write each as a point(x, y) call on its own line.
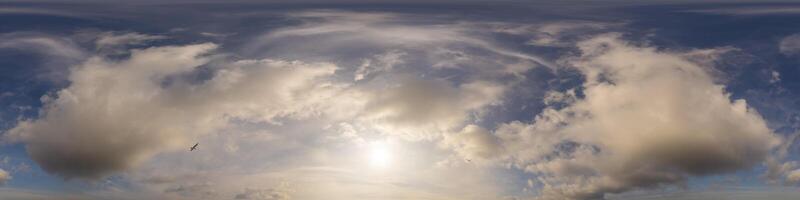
point(728, 193)
point(333, 31)
point(790, 45)
point(24, 194)
point(419, 108)
point(642, 119)
point(161, 99)
point(104, 109)
point(474, 143)
point(364, 24)
point(216, 35)
point(380, 63)
point(40, 11)
point(747, 11)
point(793, 177)
point(205, 190)
point(56, 53)
point(112, 43)
point(4, 177)
point(780, 171)
point(554, 34)
point(646, 118)
point(46, 44)
point(263, 194)
point(15, 167)
point(654, 120)
point(775, 77)
point(127, 111)
point(397, 68)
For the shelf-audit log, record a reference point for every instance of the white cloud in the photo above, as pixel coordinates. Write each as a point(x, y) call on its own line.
point(111, 39)
point(136, 108)
point(115, 43)
point(647, 118)
point(552, 33)
point(652, 120)
point(216, 35)
point(332, 31)
point(381, 63)
point(56, 53)
point(557, 34)
point(790, 45)
point(775, 77)
point(398, 91)
point(778, 169)
point(142, 112)
point(49, 45)
point(474, 143)
point(418, 108)
point(265, 121)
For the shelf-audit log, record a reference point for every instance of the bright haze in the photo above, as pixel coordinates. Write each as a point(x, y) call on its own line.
point(396, 100)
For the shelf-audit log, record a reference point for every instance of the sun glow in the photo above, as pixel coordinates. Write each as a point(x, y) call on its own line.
point(380, 155)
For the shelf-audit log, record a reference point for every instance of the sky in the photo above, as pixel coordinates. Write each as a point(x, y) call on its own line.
point(380, 99)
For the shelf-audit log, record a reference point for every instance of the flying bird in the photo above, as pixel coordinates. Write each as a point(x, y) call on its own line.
point(194, 147)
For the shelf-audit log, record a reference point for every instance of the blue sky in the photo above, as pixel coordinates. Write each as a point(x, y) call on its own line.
point(399, 100)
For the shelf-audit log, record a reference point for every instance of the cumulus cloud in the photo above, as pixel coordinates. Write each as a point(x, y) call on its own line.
point(116, 114)
point(646, 118)
point(652, 120)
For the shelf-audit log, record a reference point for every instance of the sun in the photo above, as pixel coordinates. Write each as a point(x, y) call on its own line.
point(380, 155)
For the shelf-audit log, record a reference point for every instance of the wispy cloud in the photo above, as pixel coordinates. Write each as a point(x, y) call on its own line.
point(750, 11)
